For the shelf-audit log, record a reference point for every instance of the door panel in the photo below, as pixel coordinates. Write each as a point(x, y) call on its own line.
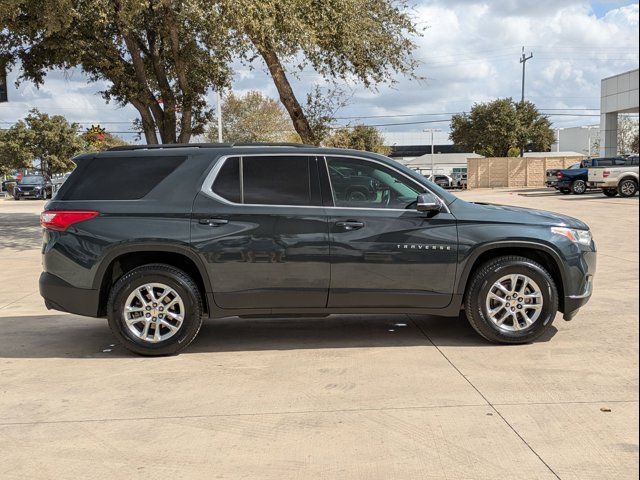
point(397, 259)
point(263, 256)
point(384, 253)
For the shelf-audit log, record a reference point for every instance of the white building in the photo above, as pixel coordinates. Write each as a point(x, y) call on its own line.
point(440, 163)
point(618, 94)
point(583, 140)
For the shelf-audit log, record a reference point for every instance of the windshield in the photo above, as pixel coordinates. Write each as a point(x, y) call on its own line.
point(31, 179)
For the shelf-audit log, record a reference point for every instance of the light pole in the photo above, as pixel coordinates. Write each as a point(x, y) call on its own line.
point(432, 130)
point(589, 128)
point(219, 115)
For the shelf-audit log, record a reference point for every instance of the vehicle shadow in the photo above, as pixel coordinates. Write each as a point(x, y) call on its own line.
point(70, 336)
point(20, 231)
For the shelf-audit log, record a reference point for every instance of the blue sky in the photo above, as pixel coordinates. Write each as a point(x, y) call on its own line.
point(469, 53)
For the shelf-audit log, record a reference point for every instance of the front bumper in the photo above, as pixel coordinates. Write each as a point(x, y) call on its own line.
point(578, 283)
point(60, 295)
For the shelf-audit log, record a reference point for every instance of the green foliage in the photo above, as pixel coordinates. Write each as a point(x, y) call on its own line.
point(320, 110)
point(252, 117)
point(40, 141)
point(359, 137)
point(513, 152)
point(159, 56)
point(497, 128)
point(99, 142)
point(163, 56)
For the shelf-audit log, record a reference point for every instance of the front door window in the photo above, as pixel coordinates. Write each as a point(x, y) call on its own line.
point(359, 183)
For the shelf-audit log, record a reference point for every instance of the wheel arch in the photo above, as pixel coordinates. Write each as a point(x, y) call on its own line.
point(628, 177)
point(125, 258)
point(538, 252)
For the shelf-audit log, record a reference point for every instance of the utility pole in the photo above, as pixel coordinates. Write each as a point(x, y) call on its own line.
point(219, 115)
point(523, 61)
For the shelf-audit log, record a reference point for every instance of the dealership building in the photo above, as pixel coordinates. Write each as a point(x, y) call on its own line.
point(618, 94)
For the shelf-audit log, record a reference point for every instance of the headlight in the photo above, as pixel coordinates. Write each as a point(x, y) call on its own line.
point(582, 237)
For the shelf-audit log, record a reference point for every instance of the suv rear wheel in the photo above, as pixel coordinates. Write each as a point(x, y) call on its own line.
point(155, 310)
point(628, 187)
point(511, 300)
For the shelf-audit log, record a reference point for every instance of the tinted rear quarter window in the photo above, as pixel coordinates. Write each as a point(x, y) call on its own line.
point(227, 183)
point(118, 178)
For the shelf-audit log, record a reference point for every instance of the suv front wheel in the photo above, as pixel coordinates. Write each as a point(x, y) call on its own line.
point(512, 300)
point(155, 310)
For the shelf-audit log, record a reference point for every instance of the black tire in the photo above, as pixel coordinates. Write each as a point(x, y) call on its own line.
point(628, 188)
point(16, 197)
point(610, 192)
point(565, 191)
point(578, 187)
point(480, 285)
point(179, 281)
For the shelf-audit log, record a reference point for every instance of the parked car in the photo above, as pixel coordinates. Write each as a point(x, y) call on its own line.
point(221, 230)
point(443, 181)
point(353, 184)
point(462, 181)
point(552, 175)
point(614, 181)
point(33, 186)
point(576, 180)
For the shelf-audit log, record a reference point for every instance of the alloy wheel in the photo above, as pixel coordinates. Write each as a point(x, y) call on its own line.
point(514, 302)
point(154, 312)
point(628, 188)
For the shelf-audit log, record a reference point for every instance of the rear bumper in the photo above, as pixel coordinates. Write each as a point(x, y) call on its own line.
point(60, 295)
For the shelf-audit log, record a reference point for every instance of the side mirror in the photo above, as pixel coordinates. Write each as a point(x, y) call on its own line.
point(428, 202)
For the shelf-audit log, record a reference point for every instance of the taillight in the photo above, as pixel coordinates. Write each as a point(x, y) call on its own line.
point(606, 173)
point(559, 175)
point(60, 220)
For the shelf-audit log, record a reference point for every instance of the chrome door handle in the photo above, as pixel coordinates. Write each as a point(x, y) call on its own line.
point(350, 224)
point(213, 222)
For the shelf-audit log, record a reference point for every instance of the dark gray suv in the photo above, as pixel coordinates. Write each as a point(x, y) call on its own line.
point(159, 237)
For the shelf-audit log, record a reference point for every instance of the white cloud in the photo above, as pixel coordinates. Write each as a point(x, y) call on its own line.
point(469, 53)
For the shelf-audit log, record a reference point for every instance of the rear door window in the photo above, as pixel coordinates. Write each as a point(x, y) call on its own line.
point(285, 180)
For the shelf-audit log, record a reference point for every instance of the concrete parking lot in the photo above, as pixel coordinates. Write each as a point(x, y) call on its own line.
point(367, 397)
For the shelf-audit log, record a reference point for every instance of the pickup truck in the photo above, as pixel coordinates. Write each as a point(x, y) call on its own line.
point(619, 180)
point(576, 180)
point(551, 174)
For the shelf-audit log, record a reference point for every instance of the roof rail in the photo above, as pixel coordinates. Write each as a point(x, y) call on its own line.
point(169, 145)
point(206, 145)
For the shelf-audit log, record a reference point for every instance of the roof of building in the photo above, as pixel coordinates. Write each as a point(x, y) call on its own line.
point(553, 154)
point(442, 159)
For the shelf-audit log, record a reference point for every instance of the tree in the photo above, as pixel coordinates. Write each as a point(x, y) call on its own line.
point(252, 117)
point(320, 110)
point(97, 139)
point(627, 133)
point(42, 142)
point(343, 40)
point(161, 56)
point(359, 137)
point(634, 143)
point(494, 128)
